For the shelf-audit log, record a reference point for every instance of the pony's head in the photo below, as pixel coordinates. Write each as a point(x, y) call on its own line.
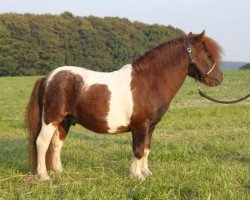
point(204, 59)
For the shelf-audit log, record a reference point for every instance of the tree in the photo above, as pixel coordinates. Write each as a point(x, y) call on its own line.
point(36, 44)
point(246, 66)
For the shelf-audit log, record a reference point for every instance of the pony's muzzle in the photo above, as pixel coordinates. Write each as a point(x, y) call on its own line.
point(214, 81)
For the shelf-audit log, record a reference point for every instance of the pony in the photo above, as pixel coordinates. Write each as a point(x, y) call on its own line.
point(131, 99)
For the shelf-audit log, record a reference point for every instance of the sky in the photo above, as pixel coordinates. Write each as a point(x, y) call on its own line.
point(226, 21)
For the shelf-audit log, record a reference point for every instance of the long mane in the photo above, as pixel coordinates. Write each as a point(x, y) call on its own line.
point(142, 62)
point(172, 50)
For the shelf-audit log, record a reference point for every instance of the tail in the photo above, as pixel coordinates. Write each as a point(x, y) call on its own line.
point(33, 119)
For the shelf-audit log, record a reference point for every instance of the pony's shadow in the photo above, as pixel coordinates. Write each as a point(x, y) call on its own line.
point(98, 158)
point(14, 152)
point(94, 137)
point(14, 155)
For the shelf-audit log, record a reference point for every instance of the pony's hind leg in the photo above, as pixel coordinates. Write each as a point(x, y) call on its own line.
point(42, 143)
point(54, 154)
point(56, 145)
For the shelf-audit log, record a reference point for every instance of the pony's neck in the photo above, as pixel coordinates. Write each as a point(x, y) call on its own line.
point(165, 66)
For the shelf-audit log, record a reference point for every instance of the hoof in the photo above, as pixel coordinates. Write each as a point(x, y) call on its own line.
point(58, 171)
point(44, 177)
point(146, 172)
point(139, 176)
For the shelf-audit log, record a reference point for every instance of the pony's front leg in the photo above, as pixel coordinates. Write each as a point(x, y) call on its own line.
point(145, 170)
point(139, 136)
point(42, 143)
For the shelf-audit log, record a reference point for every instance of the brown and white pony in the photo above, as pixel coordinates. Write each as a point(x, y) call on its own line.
point(133, 98)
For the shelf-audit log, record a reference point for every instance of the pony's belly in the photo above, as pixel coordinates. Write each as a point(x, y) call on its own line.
point(103, 109)
point(102, 125)
point(118, 121)
point(94, 124)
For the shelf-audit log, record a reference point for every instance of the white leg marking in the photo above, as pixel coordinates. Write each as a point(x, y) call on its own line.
point(139, 167)
point(135, 170)
point(57, 144)
point(42, 143)
point(145, 170)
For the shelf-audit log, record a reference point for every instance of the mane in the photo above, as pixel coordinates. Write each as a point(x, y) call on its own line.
point(213, 48)
point(173, 49)
point(142, 63)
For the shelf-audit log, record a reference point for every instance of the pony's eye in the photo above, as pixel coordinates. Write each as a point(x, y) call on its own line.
point(210, 56)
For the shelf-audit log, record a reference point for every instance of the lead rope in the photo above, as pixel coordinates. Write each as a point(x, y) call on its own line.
point(219, 101)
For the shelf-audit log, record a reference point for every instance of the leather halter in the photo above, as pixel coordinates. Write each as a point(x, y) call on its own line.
point(201, 76)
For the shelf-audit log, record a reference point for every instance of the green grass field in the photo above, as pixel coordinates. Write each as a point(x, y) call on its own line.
point(200, 150)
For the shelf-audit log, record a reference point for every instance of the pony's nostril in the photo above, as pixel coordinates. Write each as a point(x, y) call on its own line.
point(215, 81)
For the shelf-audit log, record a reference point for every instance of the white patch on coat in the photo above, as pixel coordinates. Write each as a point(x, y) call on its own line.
point(118, 82)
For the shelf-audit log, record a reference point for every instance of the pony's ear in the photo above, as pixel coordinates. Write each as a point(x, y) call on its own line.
point(200, 37)
point(190, 34)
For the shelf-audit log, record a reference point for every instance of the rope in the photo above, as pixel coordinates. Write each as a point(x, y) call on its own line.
point(219, 101)
point(223, 102)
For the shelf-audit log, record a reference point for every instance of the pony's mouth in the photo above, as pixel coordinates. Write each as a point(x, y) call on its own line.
point(214, 82)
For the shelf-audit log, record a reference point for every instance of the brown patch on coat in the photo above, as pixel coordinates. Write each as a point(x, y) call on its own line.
point(157, 77)
point(122, 129)
point(93, 107)
point(68, 96)
point(61, 95)
point(63, 128)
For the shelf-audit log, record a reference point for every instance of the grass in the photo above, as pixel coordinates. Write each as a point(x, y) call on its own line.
point(200, 150)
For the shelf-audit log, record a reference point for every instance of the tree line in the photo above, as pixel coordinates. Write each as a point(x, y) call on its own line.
point(246, 66)
point(32, 44)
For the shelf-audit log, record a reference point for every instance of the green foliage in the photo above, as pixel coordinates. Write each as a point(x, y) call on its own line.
point(35, 44)
point(246, 66)
point(230, 65)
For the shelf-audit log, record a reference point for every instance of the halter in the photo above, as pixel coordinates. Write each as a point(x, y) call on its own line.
point(201, 77)
point(196, 69)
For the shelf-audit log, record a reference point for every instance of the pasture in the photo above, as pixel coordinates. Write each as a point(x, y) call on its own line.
point(200, 150)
